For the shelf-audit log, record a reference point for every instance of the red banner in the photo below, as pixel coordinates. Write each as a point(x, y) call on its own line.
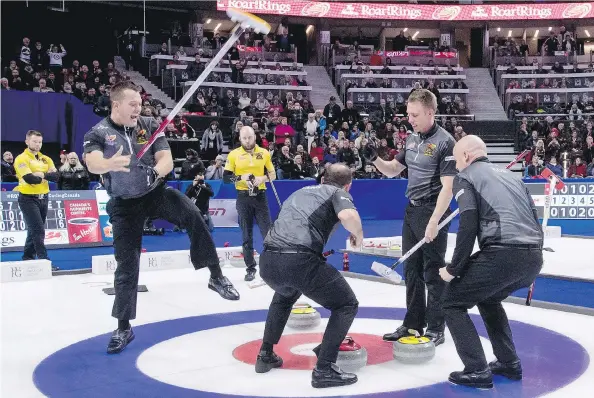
point(247, 49)
point(416, 53)
point(387, 11)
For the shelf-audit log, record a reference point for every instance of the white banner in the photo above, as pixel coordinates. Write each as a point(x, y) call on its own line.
point(325, 37)
point(223, 213)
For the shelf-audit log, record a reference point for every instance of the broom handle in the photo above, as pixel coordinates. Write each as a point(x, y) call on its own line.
point(448, 219)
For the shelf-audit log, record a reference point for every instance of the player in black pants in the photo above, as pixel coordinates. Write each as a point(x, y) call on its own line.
point(292, 264)
point(137, 192)
point(428, 157)
point(495, 207)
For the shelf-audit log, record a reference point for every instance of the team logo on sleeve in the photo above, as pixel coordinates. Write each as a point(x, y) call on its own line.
point(460, 192)
point(141, 137)
point(430, 150)
point(22, 166)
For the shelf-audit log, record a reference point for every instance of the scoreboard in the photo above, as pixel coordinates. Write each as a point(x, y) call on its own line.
point(12, 217)
point(574, 201)
point(74, 218)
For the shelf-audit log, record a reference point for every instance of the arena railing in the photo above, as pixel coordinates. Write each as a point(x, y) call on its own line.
point(403, 81)
point(344, 69)
point(412, 57)
point(547, 97)
point(518, 119)
point(563, 57)
point(252, 89)
point(175, 74)
point(158, 62)
point(370, 97)
point(528, 71)
point(528, 60)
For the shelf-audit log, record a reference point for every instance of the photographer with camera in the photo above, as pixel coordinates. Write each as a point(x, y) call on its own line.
point(200, 193)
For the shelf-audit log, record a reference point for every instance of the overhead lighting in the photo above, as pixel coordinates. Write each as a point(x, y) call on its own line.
point(498, 29)
point(536, 34)
point(309, 29)
point(550, 28)
point(208, 20)
point(217, 27)
point(587, 33)
point(415, 35)
point(405, 29)
point(509, 34)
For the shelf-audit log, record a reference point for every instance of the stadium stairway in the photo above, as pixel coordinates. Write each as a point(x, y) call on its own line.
point(322, 88)
point(502, 153)
point(483, 100)
point(140, 80)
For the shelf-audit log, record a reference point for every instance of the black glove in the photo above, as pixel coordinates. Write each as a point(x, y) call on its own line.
point(370, 152)
point(152, 177)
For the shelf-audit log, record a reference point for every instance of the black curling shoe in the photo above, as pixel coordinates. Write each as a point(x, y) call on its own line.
point(119, 340)
point(224, 287)
point(512, 370)
point(482, 379)
point(401, 332)
point(332, 377)
point(436, 337)
point(267, 361)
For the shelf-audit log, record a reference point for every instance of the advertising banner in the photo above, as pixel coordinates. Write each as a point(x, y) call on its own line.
point(72, 220)
point(223, 213)
point(419, 12)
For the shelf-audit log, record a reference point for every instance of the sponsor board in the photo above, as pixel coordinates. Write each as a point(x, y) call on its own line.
point(21, 271)
point(363, 10)
point(72, 219)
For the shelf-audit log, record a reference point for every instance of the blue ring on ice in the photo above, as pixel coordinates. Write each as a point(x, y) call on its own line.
point(550, 361)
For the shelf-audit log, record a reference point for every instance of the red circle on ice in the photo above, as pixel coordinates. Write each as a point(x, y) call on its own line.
point(378, 351)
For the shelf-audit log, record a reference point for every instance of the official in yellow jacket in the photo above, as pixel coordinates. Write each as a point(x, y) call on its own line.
point(249, 167)
point(34, 170)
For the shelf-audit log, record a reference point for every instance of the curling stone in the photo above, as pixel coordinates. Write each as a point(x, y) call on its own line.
point(381, 249)
point(236, 260)
point(413, 350)
point(368, 248)
point(304, 316)
point(395, 251)
point(351, 356)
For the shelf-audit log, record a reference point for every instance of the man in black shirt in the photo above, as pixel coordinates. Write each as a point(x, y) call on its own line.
point(200, 193)
point(137, 192)
point(431, 170)
point(495, 207)
point(292, 264)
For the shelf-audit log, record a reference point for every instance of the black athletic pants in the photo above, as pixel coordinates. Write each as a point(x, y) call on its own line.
point(127, 218)
point(34, 211)
point(422, 269)
point(491, 276)
point(290, 276)
point(249, 207)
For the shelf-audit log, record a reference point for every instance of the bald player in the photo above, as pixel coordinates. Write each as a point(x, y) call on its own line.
point(497, 209)
point(249, 167)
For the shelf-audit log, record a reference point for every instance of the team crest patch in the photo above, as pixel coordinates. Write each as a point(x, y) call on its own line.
point(259, 156)
point(141, 137)
point(110, 139)
point(430, 150)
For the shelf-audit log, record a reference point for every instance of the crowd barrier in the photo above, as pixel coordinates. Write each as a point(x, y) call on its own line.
point(78, 218)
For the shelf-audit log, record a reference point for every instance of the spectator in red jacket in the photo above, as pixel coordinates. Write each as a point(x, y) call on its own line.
point(283, 131)
point(578, 169)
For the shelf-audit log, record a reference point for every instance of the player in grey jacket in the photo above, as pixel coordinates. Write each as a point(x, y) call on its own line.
point(497, 209)
point(137, 192)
